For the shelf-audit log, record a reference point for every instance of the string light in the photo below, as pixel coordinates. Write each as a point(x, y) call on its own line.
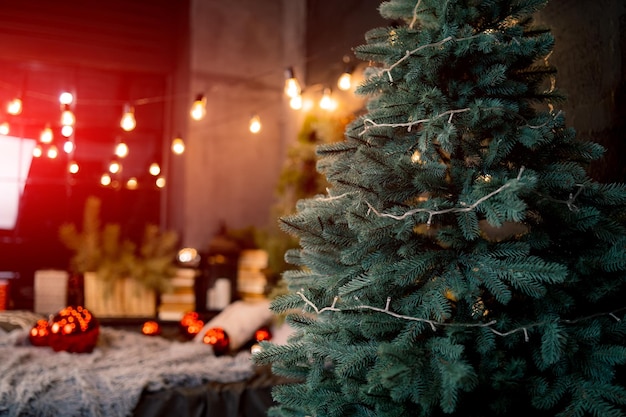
point(292, 86)
point(154, 169)
point(68, 147)
point(255, 124)
point(160, 182)
point(73, 167)
point(121, 150)
point(105, 179)
point(296, 102)
point(46, 135)
point(345, 80)
point(67, 116)
point(14, 107)
point(198, 108)
point(178, 145)
point(434, 323)
point(432, 213)
point(67, 131)
point(327, 102)
point(128, 121)
point(4, 128)
point(53, 152)
point(66, 98)
point(131, 184)
point(115, 167)
point(37, 151)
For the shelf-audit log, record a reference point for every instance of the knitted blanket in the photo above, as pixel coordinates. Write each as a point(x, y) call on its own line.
point(36, 381)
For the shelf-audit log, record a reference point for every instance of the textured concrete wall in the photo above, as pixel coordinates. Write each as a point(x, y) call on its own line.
point(238, 52)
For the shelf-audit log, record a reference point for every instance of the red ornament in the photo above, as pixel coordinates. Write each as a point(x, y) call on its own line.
point(40, 333)
point(218, 339)
point(151, 328)
point(263, 334)
point(191, 324)
point(74, 329)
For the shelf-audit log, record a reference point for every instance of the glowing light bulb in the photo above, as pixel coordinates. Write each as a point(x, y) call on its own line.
point(128, 121)
point(255, 124)
point(67, 131)
point(115, 167)
point(105, 179)
point(73, 168)
point(154, 169)
point(53, 152)
point(178, 146)
point(68, 146)
point(67, 117)
point(416, 158)
point(14, 107)
point(46, 135)
point(296, 102)
point(4, 128)
point(160, 182)
point(66, 98)
point(198, 108)
point(292, 86)
point(345, 81)
point(132, 183)
point(121, 150)
point(37, 151)
point(327, 102)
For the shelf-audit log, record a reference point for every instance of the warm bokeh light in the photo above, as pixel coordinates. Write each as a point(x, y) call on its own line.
point(160, 182)
point(66, 98)
point(255, 124)
point(73, 167)
point(105, 179)
point(67, 131)
point(128, 121)
point(345, 81)
point(46, 135)
point(37, 151)
point(198, 108)
point(68, 146)
point(292, 86)
point(4, 128)
point(327, 102)
point(154, 169)
point(14, 107)
point(53, 152)
point(178, 146)
point(132, 183)
point(68, 118)
point(296, 102)
point(115, 167)
point(121, 150)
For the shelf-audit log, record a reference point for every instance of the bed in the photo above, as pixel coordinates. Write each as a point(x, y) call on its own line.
point(127, 374)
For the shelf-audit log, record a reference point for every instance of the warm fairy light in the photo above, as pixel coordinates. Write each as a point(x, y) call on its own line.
point(14, 107)
point(327, 102)
point(132, 183)
point(105, 179)
point(128, 121)
point(73, 167)
point(46, 135)
point(66, 98)
point(178, 145)
point(67, 117)
point(53, 152)
point(292, 86)
point(68, 146)
point(255, 124)
point(121, 150)
point(115, 167)
point(37, 151)
point(345, 81)
point(154, 169)
point(4, 128)
point(67, 131)
point(160, 182)
point(296, 102)
point(198, 108)
point(416, 158)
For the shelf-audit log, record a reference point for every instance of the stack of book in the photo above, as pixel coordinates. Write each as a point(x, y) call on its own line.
point(181, 299)
point(251, 278)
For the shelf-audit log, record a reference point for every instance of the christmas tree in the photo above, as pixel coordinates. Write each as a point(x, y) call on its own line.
point(462, 262)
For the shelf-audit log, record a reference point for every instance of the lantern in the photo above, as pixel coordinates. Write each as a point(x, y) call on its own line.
point(39, 334)
point(218, 339)
point(74, 329)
